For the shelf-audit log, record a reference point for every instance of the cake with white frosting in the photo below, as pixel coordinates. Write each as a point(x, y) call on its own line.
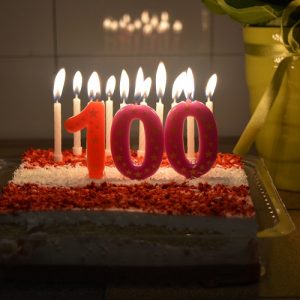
point(40, 183)
point(165, 227)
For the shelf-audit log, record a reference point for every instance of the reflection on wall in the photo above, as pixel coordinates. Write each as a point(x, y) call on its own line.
point(148, 31)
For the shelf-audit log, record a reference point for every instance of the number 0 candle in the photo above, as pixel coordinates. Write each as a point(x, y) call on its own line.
point(120, 141)
point(93, 119)
point(57, 91)
point(208, 138)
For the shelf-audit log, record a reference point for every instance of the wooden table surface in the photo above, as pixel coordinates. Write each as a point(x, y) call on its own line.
point(281, 257)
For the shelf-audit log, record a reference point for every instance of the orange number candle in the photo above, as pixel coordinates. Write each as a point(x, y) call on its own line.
point(93, 119)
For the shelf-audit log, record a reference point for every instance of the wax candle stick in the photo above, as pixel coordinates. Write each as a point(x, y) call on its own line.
point(93, 119)
point(57, 91)
point(161, 79)
point(209, 91)
point(124, 88)
point(189, 93)
point(146, 91)
point(109, 110)
point(177, 88)
point(77, 83)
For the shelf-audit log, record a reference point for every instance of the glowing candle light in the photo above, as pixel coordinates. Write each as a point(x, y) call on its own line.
point(57, 91)
point(124, 88)
point(189, 94)
point(109, 110)
point(161, 80)
point(139, 82)
point(93, 119)
point(209, 91)
point(177, 88)
point(145, 93)
point(77, 84)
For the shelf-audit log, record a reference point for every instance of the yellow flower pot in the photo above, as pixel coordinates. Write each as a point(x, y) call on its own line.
point(278, 141)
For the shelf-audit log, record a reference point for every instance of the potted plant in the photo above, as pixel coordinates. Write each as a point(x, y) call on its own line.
point(272, 52)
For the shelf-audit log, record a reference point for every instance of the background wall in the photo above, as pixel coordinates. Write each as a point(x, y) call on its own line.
point(40, 37)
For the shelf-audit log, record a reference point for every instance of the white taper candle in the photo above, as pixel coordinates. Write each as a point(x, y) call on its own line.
point(57, 132)
point(77, 149)
point(57, 91)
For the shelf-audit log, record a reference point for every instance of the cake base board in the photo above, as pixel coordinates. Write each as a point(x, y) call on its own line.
point(208, 276)
point(117, 246)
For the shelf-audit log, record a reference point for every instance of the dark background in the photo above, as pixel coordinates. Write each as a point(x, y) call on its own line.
point(39, 37)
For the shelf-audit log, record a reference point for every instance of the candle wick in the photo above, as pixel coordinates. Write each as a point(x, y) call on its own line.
point(159, 100)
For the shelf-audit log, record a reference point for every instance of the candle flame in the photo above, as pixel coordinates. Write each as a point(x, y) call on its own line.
point(161, 80)
point(211, 85)
point(124, 85)
point(77, 83)
point(59, 84)
point(178, 85)
point(189, 85)
point(110, 86)
point(93, 86)
point(139, 82)
point(146, 87)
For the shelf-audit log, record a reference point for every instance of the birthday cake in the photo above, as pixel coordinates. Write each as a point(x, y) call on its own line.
point(165, 220)
point(40, 184)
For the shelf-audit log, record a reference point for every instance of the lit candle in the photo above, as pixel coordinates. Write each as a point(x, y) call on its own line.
point(209, 91)
point(57, 91)
point(139, 82)
point(161, 79)
point(177, 88)
point(124, 88)
point(189, 94)
point(146, 90)
point(109, 108)
point(77, 83)
point(93, 119)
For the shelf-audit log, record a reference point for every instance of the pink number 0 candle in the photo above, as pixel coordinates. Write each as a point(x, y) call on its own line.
point(120, 141)
point(208, 138)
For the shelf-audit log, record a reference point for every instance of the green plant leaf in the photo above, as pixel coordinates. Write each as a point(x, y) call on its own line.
point(246, 12)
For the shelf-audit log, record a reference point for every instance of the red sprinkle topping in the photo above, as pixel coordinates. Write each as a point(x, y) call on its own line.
point(42, 158)
point(172, 198)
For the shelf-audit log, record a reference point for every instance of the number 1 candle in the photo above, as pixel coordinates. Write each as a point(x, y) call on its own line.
point(77, 83)
point(57, 91)
point(93, 119)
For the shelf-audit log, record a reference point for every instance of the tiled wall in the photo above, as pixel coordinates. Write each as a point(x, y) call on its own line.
point(39, 37)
